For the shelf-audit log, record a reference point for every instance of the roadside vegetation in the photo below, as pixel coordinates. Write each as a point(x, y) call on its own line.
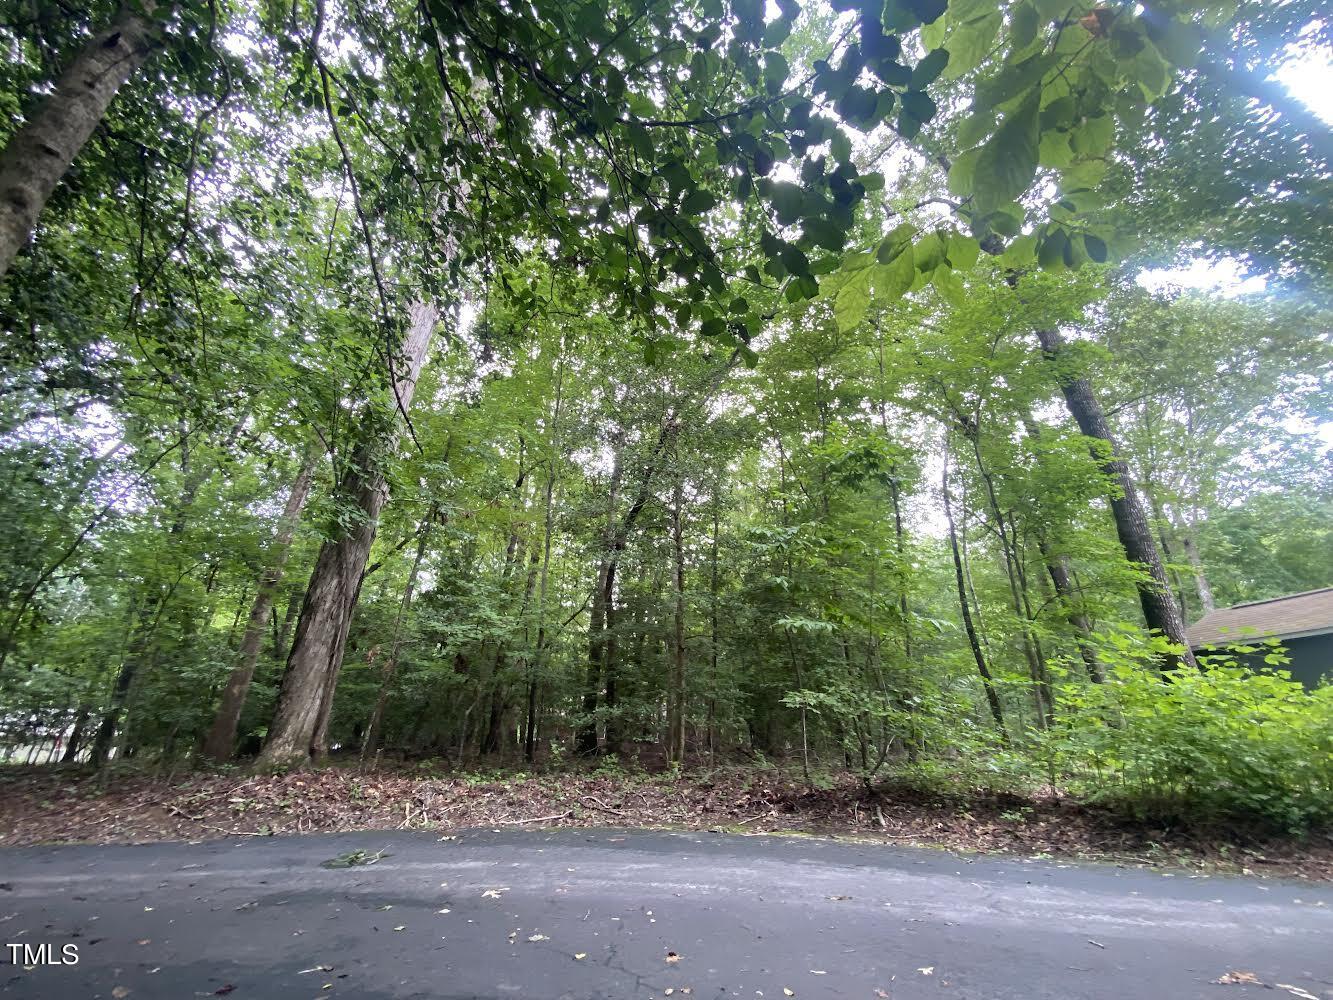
point(806, 416)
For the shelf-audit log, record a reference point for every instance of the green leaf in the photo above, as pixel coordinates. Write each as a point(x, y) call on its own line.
point(1179, 43)
point(927, 10)
point(786, 199)
point(1054, 150)
point(929, 252)
point(1096, 248)
point(775, 71)
point(962, 173)
point(895, 243)
point(892, 280)
point(929, 68)
point(969, 43)
point(1007, 163)
point(962, 251)
point(1053, 250)
point(1013, 81)
point(1021, 252)
point(1093, 136)
point(697, 202)
point(853, 299)
point(948, 284)
point(841, 146)
point(1084, 174)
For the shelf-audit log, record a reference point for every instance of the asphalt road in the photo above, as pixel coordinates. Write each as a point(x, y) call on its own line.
point(582, 914)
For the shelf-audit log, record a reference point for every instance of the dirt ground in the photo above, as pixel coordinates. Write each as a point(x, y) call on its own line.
point(52, 805)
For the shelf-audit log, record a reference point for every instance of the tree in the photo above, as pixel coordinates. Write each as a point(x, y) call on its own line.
point(37, 156)
point(301, 720)
point(1160, 610)
point(221, 738)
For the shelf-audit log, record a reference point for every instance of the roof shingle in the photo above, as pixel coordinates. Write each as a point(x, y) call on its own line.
point(1284, 617)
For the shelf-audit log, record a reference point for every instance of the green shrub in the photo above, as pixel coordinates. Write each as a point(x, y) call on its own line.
point(1219, 743)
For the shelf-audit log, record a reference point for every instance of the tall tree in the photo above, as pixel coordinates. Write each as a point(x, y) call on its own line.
point(221, 739)
point(1160, 611)
point(38, 155)
point(326, 615)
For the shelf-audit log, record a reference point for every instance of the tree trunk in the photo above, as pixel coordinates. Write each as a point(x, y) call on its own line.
point(305, 701)
point(221, 738)
point(585, 742)
point(38, 155)
point(75, 743)
point(987, 682)
point(1160, 611)
point(1058, 568)
point(676, 689)
point(370, 743)
point(1189, 541)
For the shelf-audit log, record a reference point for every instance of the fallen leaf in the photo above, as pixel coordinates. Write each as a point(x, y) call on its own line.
point(494, 893)
point(120, 991)
point(538, 937)
point(927, 970)
point(881, 994)
point(579, 956)
point(144, 941)
point(1236, 976)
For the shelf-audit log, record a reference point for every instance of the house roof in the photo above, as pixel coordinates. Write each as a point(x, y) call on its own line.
point(1310, 613)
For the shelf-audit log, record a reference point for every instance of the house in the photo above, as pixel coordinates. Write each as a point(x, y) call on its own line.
point(1302, 622)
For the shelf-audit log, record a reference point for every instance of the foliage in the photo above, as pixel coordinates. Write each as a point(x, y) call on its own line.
point(1222, 743)
point(725, 291)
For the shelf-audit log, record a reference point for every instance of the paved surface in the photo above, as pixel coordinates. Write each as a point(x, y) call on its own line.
point(585, 914)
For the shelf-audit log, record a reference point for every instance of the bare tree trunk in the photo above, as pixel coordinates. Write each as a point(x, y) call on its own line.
point(987, 682)
point(1189, 541)
point(1058, 568)
point(75, 743)
point(713, 639)
point(1160, 611)
point(370, 743)
point(300, 723)
point(676, 690)
point(221, 738)
point(585, 742)
point(38, 155)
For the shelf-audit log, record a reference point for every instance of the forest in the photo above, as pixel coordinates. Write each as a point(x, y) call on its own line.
point(873, 391)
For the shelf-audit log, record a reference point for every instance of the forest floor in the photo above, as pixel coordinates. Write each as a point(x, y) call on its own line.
point(71, 805)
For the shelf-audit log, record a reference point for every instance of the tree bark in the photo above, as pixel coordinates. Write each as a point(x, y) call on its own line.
point(300, 722)
point(1057, 566)
point(1160, 611)
point(676, 690)
point(39, 154)
point(220, 741)
point(1189, 542)
point(370, 742)
point(987, 682)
